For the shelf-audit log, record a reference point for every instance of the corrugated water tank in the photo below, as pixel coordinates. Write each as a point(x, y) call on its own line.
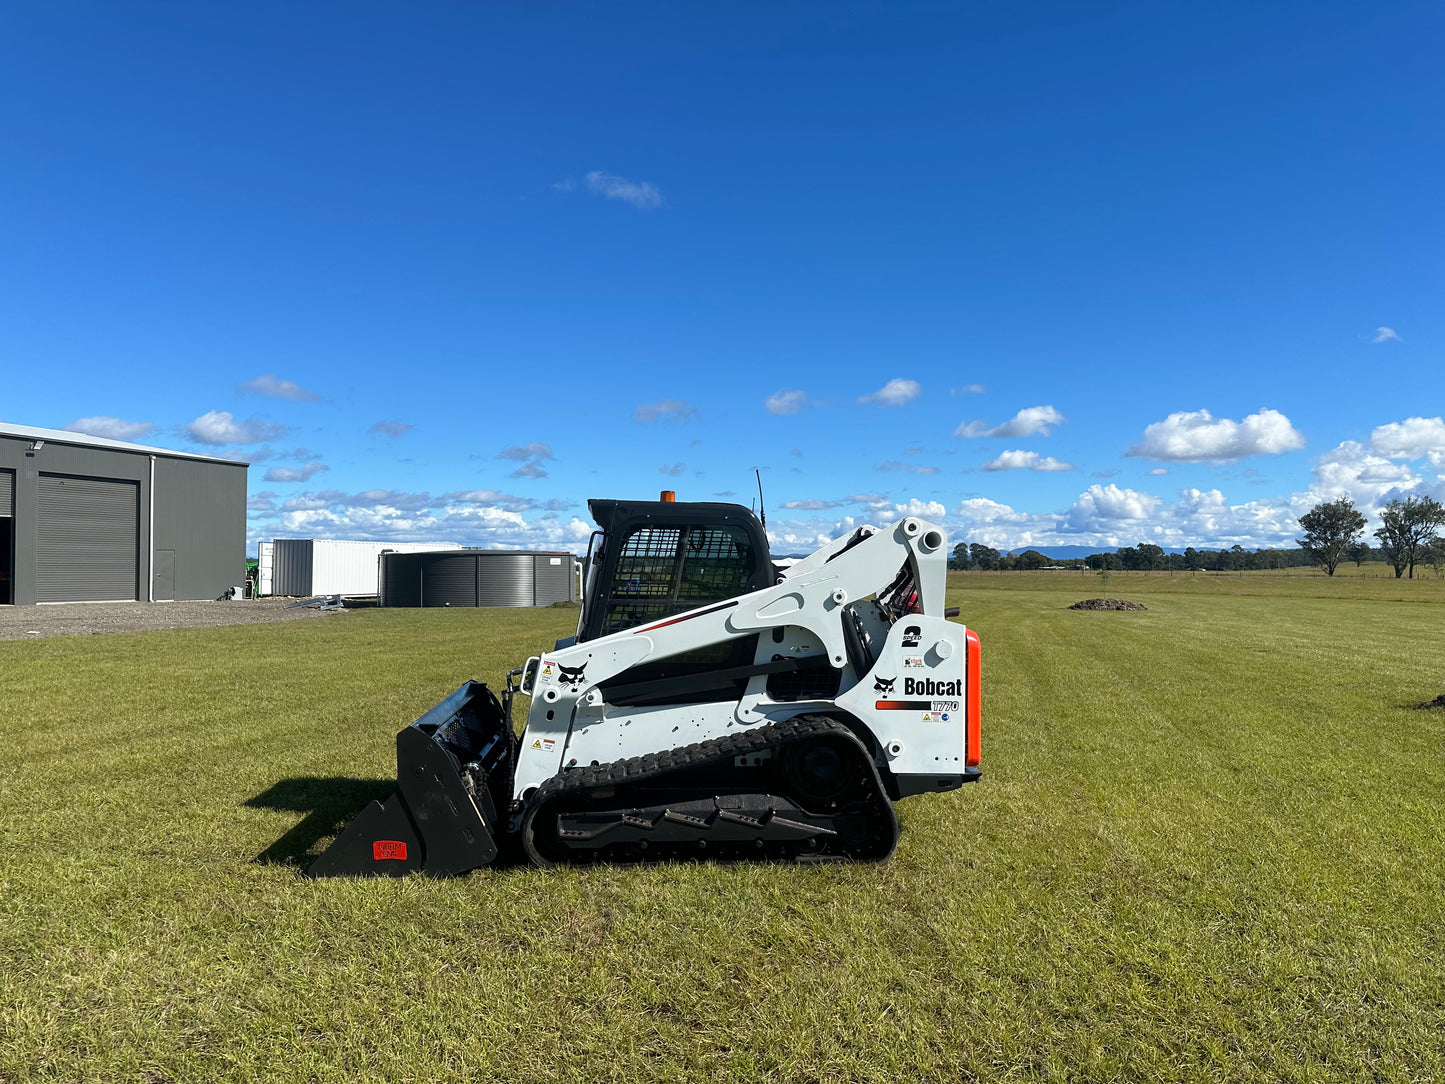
point(478, 578)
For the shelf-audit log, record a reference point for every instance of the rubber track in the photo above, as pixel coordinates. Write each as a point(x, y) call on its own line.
point(652, 765)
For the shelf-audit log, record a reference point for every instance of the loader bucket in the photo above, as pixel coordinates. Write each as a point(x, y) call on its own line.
point(453, 778)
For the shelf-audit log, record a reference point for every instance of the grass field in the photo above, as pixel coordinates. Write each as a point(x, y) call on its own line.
point(1209, 844)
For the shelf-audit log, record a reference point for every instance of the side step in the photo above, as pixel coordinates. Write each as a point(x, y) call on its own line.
point(453, 773)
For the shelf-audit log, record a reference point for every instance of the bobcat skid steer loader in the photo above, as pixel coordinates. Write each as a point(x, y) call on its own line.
point(710, 705)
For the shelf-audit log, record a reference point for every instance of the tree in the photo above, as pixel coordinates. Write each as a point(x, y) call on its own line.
point(1409, 529)
point(1031, 559)
point(1151, 557)
point(1434, 556)
point(960, 559)
point(983, 557)
point(1330, 528)
point(1360, 552)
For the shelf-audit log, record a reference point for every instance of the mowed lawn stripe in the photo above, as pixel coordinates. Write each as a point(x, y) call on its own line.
point(1207, 845)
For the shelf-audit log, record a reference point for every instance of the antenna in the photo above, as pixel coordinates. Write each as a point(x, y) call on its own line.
point(762, 512)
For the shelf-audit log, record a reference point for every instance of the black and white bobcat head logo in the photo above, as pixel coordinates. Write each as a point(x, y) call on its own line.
point(883, 684)
point(912, 636)
point(571, 676)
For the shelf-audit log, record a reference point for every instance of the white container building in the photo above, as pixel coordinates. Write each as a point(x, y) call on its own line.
point(302, 567)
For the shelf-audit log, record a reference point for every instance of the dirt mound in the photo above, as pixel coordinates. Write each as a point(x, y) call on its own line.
point(1438, 704)
point(1108, 604)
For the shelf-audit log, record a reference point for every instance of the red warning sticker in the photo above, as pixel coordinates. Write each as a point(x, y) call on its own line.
point(384, 849)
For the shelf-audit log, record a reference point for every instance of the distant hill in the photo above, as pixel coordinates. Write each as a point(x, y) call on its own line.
point(1065, 553)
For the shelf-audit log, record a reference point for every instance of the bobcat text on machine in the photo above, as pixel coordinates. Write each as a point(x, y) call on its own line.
point(711, 704)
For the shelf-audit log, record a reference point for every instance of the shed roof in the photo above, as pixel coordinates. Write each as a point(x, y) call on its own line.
point(84, 440)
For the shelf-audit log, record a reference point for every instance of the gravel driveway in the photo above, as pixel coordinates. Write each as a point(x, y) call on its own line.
point(88, 618)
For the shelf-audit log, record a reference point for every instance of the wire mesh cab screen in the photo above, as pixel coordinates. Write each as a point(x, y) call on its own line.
point(665, 570)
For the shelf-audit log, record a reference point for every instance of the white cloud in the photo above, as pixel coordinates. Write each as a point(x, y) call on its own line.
point(387, 516)
point(810, 505)
point(1205, 517)
point(1110, 502)
point(390, 498)
point(1354, 471)
point(509, 501)
point(1103, 516)
point(674, 470)
point(265, 501)
point(915, 507)
point(295, 474)
point(665, 409)
point(1409, 439)
point(640, 194)
point(979, 519)
point(967, 389)
point(111, 428)
point(220, 427)
point(1108, 515)
point(391, 428)
point(1384, 335)
point(873, 500)
point(801, 537)
point(534, 469)
point(786, 401)
point(1158, 472)
point(1022, 460)
point(907, 468)
point(894, 393)
point(477, 496)
point(1028, 422)
point(273, 387)
point(1197, 436)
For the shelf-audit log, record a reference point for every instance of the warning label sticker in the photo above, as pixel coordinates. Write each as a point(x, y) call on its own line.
point(912, 662)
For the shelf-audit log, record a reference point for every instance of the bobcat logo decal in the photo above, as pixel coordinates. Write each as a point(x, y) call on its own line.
point(883, 684)
point(571, 676)
point(912, 636)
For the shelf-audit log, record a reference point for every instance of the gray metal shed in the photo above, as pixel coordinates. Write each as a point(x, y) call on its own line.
point(88, 519)
point(478, 578)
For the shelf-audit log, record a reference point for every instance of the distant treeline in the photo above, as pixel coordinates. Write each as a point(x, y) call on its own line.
point(1146, 557)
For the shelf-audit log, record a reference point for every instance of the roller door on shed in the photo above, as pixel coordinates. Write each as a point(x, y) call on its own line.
point(7, 492)
point(87, 539)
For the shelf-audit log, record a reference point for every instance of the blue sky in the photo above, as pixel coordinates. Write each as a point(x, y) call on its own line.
point(1049, 274)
